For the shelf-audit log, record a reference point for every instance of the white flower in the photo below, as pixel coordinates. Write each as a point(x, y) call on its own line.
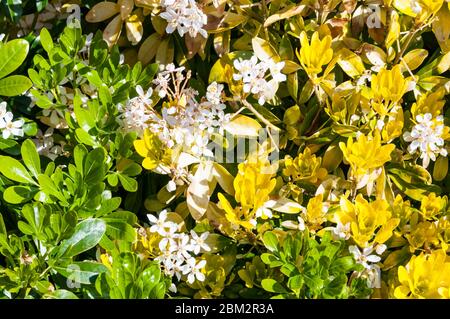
point(2, 36)
point(184, 16)
point(171, 186)
point(160, 225)
point(10, 127)
point(380, 249)
point(145, 96)
point(265, 210)
point(275, 70)
point(198, 242)
point(426, 137)
point(213, 93)
point(45, 144)
point(184, 246)
point(364, 257)
point(193, 270)
point(341, 231)
point(3, 110)
point(290, 224)
point(354, 118)
point(246, 68)
point(254, 77)
point(135, 115)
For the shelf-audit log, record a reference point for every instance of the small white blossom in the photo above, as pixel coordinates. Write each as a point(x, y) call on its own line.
point(9, 127)
point(290, 224)
point(364, 258)
point(341, 231)
point(198, 242)
point(45, 144)
point(371, 270)
point(426, 138)
point(160, 225)
point(193, 270)
point(213, 93)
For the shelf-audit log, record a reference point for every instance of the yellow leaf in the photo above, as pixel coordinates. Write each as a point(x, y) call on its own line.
point(394, 30)
point(148, 48)
point(290, 67)
point(440, 169)
point(351, 63)
point(444, 63)
point(285, 14)
point(414, 59)
point(165, 52)
point(441, 28)
point(112, 31)
point(101, 12)
point(242, 125)
point(134, 29)
point(198, 192)
point(373, 55)
point(263, 50)
point(404, 6)
point(224, 178)
point(284, 205)
point(126, 6)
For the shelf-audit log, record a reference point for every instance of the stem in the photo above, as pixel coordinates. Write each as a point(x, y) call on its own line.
point(405, 46)
point(259, 116)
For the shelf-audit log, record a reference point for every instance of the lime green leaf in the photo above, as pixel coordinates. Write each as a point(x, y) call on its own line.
point(46, 40)
point(30, 157)
point(272, 285)
point(14, 85)
point(270, 240)
point(14, 170)
point(18, 194)
point(13, 54)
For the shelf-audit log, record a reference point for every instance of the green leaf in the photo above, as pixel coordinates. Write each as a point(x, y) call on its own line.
point(270, 240)
point(61, 294)
point(83, 272)
point(14, 9)
point(14, 170)
point(272, 285)
point(18, 194)
point(41, 4)
point(118, 229)
point(13, 54)
point(14, 85)
point(48, 186)
point(79, 154)
point(9, 146)
point(30, 157)
point(46, 40)
point(87, 235)
point(93, 169)
point(84, 137)
point(30, 128)
point(128, 183)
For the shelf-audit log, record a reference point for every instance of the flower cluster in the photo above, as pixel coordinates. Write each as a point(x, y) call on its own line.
point(254, 76)
point(185, 16)
point(177, 249)
point(184, 121)
point(426, 138)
